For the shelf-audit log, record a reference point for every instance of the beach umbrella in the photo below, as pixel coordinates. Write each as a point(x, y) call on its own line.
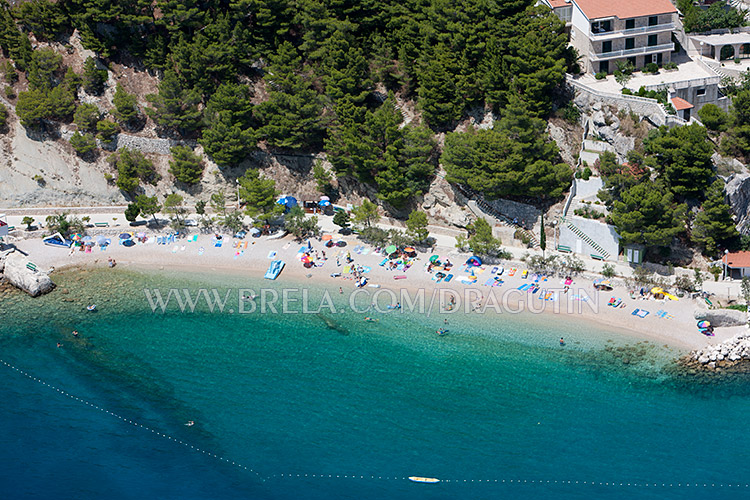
point(324, 203)
point(434, 258)
point(101, 240)
point(409, 250)
point(326, 198)
point(341, 243)
point(124, 236)
point(326, 237)
point(390, 249)
point(704, 324)
point(89, 243)
point(128, 243)
point(87, 238)
point(76, 237)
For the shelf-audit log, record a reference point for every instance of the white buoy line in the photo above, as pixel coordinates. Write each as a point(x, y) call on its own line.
point(373, 477)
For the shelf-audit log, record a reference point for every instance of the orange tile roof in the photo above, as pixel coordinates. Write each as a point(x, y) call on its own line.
point(624, 9)
point(737, 259)
point(680, 104)
point(559, 3)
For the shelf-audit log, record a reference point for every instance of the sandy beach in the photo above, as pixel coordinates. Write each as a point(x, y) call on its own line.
point(675, 328)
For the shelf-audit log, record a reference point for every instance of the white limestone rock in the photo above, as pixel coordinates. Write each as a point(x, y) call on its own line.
point(16, 272)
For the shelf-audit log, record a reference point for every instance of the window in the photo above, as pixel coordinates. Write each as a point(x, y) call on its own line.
point(604, 67)
point(653, 20)
point(653, 40)
point(629, 24)
point(632, 60)
point(700, 92)
point(606, 47)
point(629, 43)
point(601, 27)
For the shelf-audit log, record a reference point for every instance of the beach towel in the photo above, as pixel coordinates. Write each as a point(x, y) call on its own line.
point(383, 262)
point(366, 269)
point(400, 277)
point(244, 247)
point(524, 287)
point(286, 247)
point(448, 278)
point(218, 243)
point(641, 313)
point(489, 282)
point(498, 282)
point(365, 251)
point(512, 271)
point(347, 269)
point(201, 250)
point(182, 248)
point(271, 254)
point(175, 248)
point(194, 239)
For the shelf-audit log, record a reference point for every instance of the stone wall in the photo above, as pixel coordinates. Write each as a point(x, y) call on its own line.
point(650, 108)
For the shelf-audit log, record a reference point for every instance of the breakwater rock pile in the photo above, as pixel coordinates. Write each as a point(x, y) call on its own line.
point(733, 353)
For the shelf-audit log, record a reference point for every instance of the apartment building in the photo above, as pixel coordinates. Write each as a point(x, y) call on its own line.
point(607, 31)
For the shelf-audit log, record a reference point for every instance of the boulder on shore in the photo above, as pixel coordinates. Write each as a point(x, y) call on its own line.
point(30, 280)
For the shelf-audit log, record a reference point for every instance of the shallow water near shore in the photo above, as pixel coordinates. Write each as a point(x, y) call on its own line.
point(497, 399)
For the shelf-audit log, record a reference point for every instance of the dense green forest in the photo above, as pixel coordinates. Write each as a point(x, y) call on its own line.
point(320, 63)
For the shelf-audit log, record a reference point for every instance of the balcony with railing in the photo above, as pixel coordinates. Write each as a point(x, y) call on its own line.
point(599, 56)
point(608, 35)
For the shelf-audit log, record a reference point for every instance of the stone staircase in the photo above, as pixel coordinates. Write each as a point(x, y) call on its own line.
point(489, 209)
point(578, 232)
point(717, 68)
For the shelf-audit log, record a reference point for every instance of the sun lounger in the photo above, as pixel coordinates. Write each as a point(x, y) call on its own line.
point(400, 277)
point(641, 313)
point(383, 262)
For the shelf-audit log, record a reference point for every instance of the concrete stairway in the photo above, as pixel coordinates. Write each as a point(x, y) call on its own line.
point(578, 232)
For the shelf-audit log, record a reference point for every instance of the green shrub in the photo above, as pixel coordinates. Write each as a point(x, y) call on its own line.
point(651, 67)
point(601, 75)
point(107, 129)
point(185, 165)
point(670, 65)
point(10, 92)
point(713, 117)
point(86, 117)
point(626, 91)
point(84, 144)
point(586, 174)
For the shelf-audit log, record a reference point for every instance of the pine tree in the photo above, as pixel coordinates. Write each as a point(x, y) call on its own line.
point(185, 165)
point(713, 226)
point(258, 193)
point(126, 106)
point(93, 77)
point(174, 108)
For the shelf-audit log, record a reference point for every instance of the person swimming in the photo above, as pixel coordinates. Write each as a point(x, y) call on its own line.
point(562, 341)
point(442, 332)
point(190, 423)
point(75, 333)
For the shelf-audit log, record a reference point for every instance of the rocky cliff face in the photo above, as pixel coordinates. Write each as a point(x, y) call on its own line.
point(737, 191)
point(19, 274)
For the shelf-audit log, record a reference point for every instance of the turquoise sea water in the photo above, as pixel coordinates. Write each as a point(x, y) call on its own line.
point(318, 395)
